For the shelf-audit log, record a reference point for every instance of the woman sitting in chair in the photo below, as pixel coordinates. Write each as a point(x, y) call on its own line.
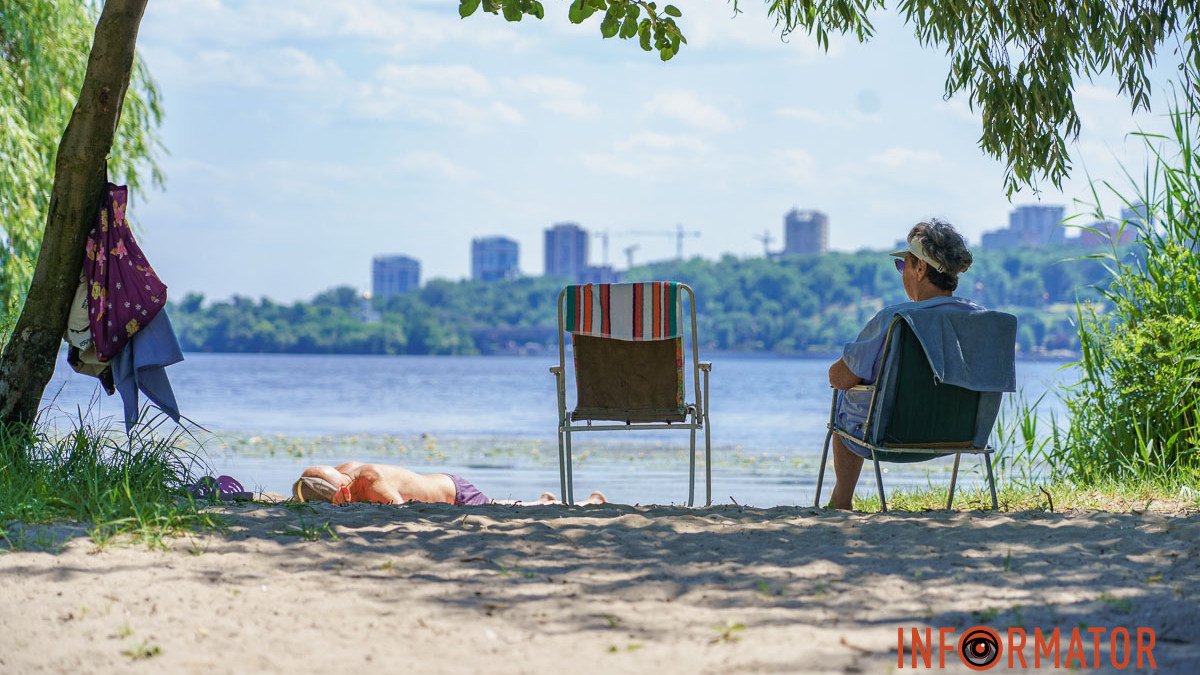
point(929, 269)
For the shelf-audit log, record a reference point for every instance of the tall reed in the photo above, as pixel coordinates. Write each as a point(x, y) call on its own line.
point(1135, 412)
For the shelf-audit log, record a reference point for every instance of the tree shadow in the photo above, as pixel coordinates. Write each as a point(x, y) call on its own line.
point(765, 567)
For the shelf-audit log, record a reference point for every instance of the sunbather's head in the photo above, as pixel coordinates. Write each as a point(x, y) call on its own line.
point(313, 489)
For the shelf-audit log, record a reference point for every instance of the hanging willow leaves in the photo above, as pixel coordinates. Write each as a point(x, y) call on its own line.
point(44, 46)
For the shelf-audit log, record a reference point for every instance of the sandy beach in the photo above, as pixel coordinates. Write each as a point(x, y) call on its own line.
point(318, 588)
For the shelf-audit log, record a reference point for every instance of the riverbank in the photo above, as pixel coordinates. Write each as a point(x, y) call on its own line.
point(625, 589)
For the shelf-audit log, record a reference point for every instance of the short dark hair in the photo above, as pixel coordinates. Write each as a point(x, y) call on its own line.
point(944, 244)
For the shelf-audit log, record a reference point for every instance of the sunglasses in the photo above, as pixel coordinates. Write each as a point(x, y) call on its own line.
point(899, 265)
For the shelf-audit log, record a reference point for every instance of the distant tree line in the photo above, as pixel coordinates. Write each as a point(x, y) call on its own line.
point(792, 306)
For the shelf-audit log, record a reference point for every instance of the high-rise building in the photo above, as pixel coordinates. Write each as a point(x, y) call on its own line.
point(1107, 233)
point(1135, 215)
point(494, 258)
point(600, 274)
point(566, 251)
point(394, 274)
point(999, 239)
point(1037, 224)
point(1029, 225)
point(805, 232)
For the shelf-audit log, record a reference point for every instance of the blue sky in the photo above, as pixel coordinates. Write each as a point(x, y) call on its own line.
point(307, 136)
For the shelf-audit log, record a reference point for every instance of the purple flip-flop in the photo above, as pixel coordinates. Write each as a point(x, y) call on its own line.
point(221, 488)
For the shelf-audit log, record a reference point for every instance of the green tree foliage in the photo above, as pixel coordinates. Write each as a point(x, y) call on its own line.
point(654, 27)
point(44, 46)
point(795, 305)
point(1017, 61)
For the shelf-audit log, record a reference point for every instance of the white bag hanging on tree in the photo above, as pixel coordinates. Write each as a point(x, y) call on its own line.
point(79, 329)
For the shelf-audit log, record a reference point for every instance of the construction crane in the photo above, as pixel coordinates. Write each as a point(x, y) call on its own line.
point(603, 244)
point(766, 240)
point(629, 255)
point(679, 233)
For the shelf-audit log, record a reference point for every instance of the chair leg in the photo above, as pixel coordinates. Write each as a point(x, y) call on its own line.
point(562, 466)
point(821, 473)
point(692, 466)
point(879, 482)
point(987, 461)
point(569, 492)
point(707, 458)
point(825, 451)
point(953, 480)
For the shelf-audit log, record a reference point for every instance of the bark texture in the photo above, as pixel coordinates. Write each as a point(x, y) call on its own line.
point(79, 180)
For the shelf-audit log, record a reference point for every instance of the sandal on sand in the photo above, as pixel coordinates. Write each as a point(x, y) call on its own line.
point(220, 488)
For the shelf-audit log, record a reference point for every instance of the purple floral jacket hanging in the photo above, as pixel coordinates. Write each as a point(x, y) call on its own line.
point(125, 292)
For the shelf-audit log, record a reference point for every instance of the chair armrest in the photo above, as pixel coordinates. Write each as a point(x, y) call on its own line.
point(557, 370)
point(706, 366)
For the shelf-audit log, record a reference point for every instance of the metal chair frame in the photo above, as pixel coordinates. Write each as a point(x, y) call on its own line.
point(697, 413)
point(935, 450)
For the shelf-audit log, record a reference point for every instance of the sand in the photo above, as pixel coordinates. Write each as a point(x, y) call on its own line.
point(597, 589)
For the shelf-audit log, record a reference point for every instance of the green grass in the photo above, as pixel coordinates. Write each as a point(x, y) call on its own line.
point(728, 632)
point(1117, 495)
point(96, 476)
point(309, 531)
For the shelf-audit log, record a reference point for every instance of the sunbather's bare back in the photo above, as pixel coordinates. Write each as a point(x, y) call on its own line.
point(385, 483)
point(391, 484)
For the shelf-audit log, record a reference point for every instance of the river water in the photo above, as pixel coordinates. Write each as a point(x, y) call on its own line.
point(492, 419)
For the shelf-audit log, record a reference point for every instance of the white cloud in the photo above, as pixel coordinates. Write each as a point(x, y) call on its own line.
point(655, 141)
point(506, 113)
point(897, 157)
point(426, 163)
point(959, 108)
point(842, 120)
point(807, 116)
point(797, 164)
point(648, 156)
point(686, 107)
point(558, 95)
point(377, 25)
point(457, 79)
point(713, 25)
point(451, 95)
point(286, 68)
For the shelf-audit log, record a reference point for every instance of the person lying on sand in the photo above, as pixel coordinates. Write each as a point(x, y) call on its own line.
point(390, 484)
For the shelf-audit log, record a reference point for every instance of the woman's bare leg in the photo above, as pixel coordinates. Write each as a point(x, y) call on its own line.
point(846, 466)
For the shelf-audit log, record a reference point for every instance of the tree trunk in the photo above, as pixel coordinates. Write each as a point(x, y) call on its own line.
point(79, 182)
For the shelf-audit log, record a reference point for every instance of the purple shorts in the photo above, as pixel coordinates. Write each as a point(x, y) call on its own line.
point(466, 494)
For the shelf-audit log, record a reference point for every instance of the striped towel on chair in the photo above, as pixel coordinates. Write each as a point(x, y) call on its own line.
point(636, 312)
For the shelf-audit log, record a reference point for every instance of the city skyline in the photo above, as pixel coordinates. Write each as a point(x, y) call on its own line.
point(400, 127)
point(567, 251)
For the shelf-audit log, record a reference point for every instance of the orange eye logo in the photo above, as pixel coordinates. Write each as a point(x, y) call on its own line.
point(979, 648)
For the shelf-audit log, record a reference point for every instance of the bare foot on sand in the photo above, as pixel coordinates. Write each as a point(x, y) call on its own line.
point(597, 497)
